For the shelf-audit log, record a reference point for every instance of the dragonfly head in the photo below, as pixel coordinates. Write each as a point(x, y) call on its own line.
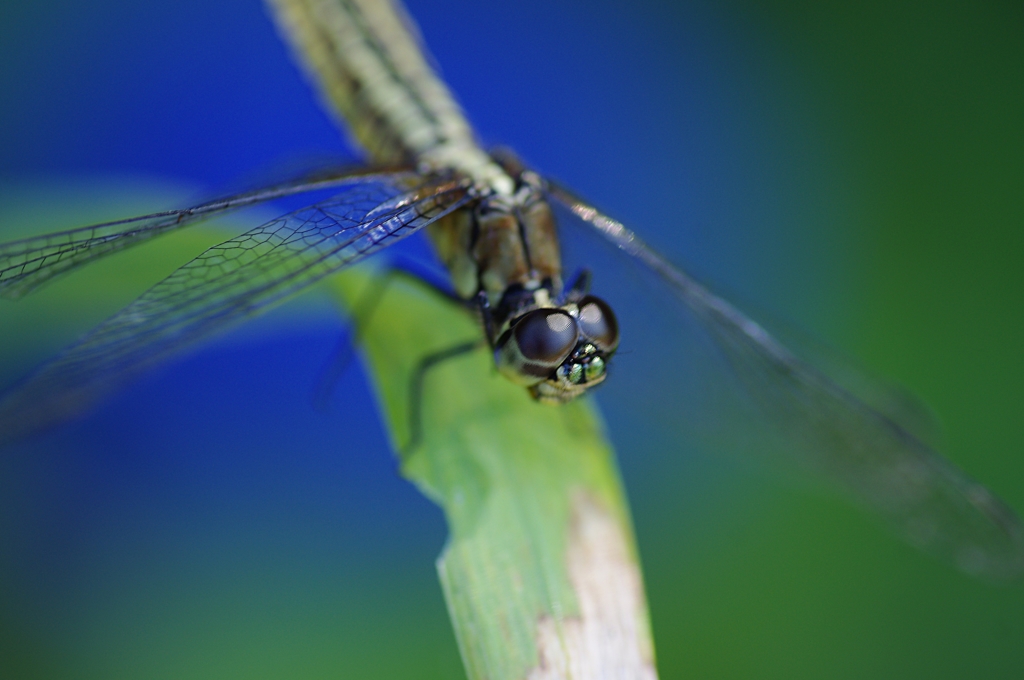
point(558, 353)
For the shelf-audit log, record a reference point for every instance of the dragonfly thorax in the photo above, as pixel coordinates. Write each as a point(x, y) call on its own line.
point(500, 242)
point(503, 252)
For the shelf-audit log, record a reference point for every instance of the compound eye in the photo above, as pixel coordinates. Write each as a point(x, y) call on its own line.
point(546, 336)
point(597, 322)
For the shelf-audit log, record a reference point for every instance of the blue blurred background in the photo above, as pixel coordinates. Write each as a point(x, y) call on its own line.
point(854, 168)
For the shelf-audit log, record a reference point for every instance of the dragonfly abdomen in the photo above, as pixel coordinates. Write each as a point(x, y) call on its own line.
point(367, 60)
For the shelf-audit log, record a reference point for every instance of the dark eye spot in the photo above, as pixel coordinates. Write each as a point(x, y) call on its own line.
point(546, 335)
point(597, 322)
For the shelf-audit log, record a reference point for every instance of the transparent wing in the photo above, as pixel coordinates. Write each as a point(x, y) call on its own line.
point(227, 283)
point(830, 432)
point(27, 264)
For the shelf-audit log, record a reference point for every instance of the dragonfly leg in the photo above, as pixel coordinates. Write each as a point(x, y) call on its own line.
point(419, 375)
point(579, 285)
point(361, 315)
point(483, 305)
point(331, 373)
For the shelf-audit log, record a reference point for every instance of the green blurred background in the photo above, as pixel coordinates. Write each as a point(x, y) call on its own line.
point(857, 169)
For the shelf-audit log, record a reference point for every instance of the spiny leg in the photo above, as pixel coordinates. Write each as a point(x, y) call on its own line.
point(361, 316)
point(578, 286)
point(416, 387)
point(363, 312)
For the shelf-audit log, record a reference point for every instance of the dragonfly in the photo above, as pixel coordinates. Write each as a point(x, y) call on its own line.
point(492, 223)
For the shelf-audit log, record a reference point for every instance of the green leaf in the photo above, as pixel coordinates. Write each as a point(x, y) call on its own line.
point(540, 573)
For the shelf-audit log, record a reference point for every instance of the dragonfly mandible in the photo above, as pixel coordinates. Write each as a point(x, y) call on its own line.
point(490, 220)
